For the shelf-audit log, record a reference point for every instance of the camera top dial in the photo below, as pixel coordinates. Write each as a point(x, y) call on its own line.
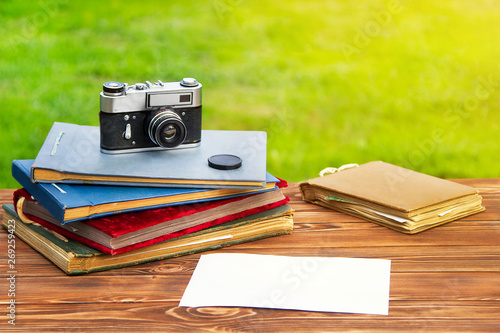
point(113, 88)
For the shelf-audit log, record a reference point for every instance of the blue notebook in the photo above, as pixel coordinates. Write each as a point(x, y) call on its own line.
point(71, 154)
point(70, 202)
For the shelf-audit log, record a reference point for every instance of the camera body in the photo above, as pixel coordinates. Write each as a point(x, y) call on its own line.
point(150, 116)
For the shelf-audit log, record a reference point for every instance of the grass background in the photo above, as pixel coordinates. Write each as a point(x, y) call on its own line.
point(414, 83)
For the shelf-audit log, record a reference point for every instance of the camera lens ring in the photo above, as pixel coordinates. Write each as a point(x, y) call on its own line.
point(166, 129)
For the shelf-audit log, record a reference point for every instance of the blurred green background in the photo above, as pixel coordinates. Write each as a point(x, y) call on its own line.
point(413, 83)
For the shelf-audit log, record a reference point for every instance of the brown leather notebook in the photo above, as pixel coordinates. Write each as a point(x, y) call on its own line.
point(395, 197)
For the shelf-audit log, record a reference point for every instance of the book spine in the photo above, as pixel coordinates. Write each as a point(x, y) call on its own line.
point(56, 208)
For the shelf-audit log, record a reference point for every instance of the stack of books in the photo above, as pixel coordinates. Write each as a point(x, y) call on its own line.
point(87, 211)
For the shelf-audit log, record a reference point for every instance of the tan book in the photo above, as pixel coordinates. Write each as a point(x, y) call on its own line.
point(392, 196)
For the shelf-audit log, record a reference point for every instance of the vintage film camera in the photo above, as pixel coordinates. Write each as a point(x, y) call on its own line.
point(150, 116)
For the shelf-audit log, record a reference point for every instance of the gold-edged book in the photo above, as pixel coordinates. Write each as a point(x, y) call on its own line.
point(392, 196)
point(76, 258)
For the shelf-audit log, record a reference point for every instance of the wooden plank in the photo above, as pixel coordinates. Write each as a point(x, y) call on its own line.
point(166, 316)
point(412, 285)
point(407, 259)
point(444, 279)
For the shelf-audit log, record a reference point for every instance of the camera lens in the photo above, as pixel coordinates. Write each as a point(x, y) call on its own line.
point(169, 132)
point(166, 129)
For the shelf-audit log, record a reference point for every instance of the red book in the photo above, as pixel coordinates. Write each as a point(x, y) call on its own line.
point(128, 231)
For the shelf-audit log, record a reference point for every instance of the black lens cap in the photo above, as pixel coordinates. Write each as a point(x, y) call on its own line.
point(224, 162)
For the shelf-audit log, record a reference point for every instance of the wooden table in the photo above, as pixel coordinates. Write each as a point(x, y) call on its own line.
point(444, 279)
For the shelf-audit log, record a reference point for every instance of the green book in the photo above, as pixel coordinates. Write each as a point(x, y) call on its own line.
point(76, 258)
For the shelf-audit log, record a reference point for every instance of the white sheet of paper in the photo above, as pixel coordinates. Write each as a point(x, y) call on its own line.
point(298, 283)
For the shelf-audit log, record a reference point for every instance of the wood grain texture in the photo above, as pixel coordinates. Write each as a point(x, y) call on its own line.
point(445, 279)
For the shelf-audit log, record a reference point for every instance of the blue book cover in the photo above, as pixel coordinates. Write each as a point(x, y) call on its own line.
point(71, 202)
point(71, 154)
